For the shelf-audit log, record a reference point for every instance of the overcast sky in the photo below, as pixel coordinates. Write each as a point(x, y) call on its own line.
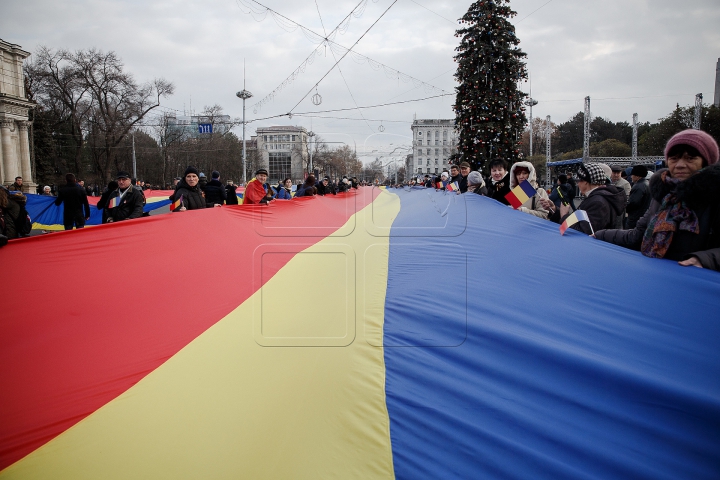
point(629, 56)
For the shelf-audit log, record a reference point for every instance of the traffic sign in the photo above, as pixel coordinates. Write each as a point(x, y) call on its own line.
point(205, 128)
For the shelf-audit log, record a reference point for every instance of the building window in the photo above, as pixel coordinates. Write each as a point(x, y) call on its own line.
point(437, 134)
point(436, 170)
point(436, 161)
point(280, 166)
point(419, 169)
point(419, 134)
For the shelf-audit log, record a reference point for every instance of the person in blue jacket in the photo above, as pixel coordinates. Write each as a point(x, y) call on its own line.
point(284, 190)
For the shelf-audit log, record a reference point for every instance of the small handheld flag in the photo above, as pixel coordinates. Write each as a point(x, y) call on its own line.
point(577, 216)
point(438, 185)
point(453, 187)
point(176, 204)
point(520, 194)
point(114, 202)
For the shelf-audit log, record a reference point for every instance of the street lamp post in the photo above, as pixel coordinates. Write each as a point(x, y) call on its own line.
point(311, 134)
point(244, 95)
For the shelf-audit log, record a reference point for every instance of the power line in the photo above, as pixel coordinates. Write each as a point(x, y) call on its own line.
point(526, 16)
point(344, 55)
point(328, 41)
point(340, 69)
point(444, 18)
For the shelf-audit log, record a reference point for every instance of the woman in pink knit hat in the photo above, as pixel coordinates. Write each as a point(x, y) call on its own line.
point(683, 221)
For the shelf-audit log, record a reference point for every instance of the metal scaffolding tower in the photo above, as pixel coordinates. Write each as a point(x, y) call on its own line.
point(634, 139)
point(698, 111)
point(586, 130)
point(548, 134)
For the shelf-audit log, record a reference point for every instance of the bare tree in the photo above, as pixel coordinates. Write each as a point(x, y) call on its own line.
point(57, 86)
point(118, 102)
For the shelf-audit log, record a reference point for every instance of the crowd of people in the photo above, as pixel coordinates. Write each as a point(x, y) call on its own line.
point(673, 214)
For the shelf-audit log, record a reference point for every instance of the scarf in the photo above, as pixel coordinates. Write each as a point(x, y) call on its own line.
point(674, 215)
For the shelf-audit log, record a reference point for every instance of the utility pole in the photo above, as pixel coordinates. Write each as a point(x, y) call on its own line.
point(134, 161)
point(244, 95)
point(698, 111)
point(634, 138)
point(586, 130)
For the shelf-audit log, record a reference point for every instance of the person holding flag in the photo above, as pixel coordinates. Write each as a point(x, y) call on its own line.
point(188, 195)
point(529, 200)
point(603, 201)
point(257, 190)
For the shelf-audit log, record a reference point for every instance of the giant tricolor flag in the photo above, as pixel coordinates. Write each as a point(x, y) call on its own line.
point(520, 194)
point(302, 353)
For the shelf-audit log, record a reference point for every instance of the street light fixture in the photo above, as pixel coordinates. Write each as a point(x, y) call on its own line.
point(244, 95)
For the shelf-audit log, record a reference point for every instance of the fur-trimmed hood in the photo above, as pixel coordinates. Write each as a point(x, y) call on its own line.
point(532, 178)
point(703, 188)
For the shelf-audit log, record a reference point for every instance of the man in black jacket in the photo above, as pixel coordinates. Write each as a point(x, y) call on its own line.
point(640, 196)
point(214, 190)
point(603, 202)
point(130, 200)
point(74, 199)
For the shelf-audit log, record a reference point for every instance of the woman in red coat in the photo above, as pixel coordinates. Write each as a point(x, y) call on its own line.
point(257, 191)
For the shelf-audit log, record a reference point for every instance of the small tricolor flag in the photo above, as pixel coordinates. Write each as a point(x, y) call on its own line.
point(114, 202)
point(577, 216)
point(520, 194)
point(438, 185)
point(453, 187)
point(176, 204)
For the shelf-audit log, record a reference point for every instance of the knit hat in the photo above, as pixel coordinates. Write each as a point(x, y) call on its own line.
point(608, 172)
point(261, 170)
point(592, 173)
point(215, 174)
point(202, 175)
point(639, 171)
point(474, 178)
point(701, 141)
point(190, 169)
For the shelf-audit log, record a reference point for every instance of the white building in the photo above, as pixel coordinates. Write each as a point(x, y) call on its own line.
point(14, 110)
point(284, 151)
point(433, 143)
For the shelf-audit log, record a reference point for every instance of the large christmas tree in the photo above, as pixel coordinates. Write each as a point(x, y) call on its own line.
point(489, 110)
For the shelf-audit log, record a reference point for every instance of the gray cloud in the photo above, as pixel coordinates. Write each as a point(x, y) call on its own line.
point(659, 50)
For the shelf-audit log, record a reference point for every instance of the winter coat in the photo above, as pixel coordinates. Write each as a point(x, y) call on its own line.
point(626, 187)
point(15, 187)
point(215, 192)
point(131, 205)
point(532, 205)
point(300, 192)
point(283, 194)
point(638, 202)
point(701, 192)
point(10, 214)
point(498, 190)
point(462, 182)
point(325, 190)
point(192, 197)
point(602, 206)
point(75, 201)
point(231, 195)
